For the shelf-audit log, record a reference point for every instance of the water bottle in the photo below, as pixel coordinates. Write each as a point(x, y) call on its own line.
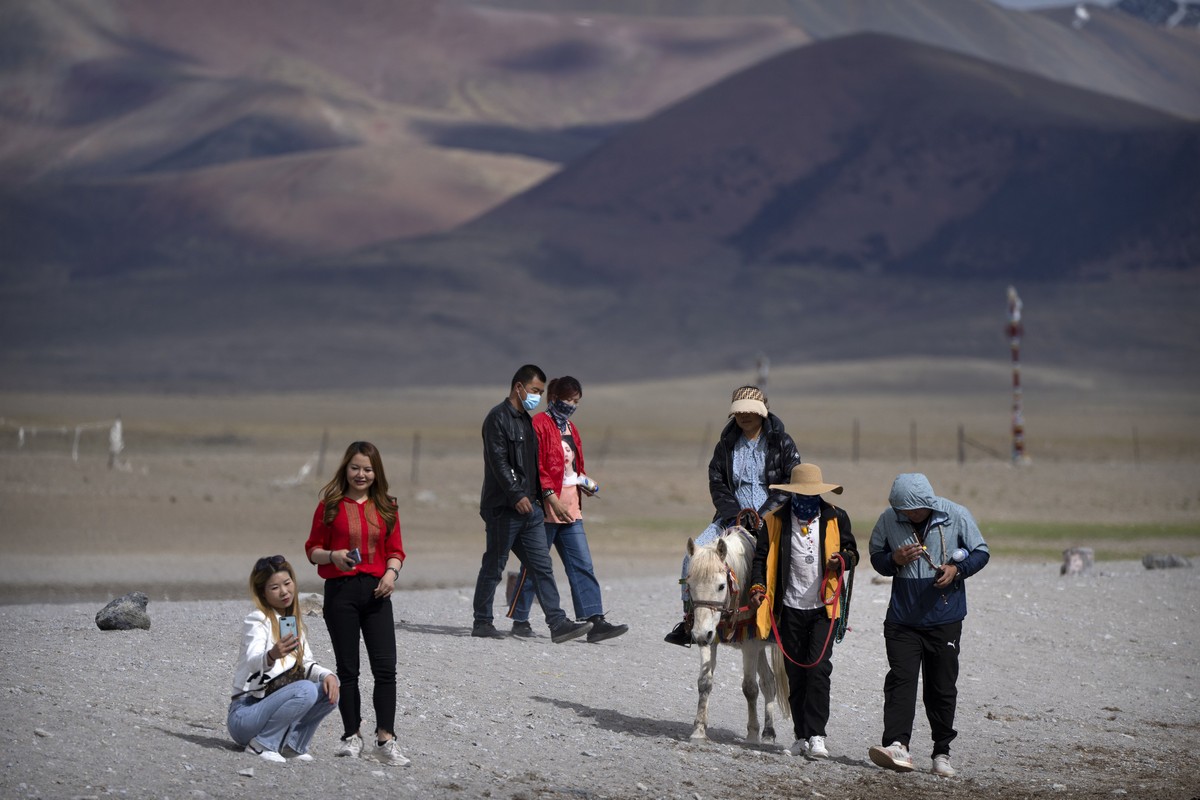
point(588, 485)
point(958, 555)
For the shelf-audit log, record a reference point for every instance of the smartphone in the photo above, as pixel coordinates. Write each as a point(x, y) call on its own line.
point(287, 626)
point(354, 556)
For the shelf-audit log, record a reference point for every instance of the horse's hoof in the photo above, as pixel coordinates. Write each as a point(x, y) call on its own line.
point(769, 735)
point(699, 736)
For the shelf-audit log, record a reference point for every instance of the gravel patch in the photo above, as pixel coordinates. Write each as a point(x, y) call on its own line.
point(1071, 687)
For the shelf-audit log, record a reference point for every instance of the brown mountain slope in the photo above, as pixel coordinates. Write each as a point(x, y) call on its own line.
point(235, 189)
point(138, 135)
point(877, 154)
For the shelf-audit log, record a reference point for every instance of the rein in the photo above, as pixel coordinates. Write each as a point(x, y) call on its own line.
point(837, 595)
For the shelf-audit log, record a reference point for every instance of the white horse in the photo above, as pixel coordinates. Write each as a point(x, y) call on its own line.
point(718, 581)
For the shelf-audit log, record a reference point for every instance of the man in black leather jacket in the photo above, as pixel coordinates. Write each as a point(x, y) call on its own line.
point(510, 504)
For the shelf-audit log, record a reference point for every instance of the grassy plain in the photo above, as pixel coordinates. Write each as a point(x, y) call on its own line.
point(213, 482)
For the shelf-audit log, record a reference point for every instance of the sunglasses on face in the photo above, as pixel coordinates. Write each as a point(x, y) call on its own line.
point(269, 562)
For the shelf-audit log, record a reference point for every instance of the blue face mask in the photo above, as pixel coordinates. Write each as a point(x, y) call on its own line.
point(531, 401)
point(805, 506)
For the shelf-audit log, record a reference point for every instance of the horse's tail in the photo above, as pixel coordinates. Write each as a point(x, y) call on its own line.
point(782, 688)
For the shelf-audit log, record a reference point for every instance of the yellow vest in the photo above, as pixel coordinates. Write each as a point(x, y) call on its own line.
point(833, 544)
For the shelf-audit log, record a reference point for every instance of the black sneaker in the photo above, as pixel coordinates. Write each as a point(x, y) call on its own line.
point(522, 629)
point(486, 630)
point(679, 635)
point(602, 629)
point(568, 630)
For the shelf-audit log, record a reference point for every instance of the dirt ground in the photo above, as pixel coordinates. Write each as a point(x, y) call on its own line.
point(1080, 687)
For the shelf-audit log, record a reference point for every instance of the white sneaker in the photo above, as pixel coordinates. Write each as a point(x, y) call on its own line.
point(894, 756)
point(941, 766)
point(292, 755)
point(351, 748)
point(389, 753)
point(256, 749)
point(798, 748)
point(816, 747)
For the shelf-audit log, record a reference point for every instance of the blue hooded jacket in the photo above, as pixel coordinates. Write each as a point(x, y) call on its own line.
point(915, 600)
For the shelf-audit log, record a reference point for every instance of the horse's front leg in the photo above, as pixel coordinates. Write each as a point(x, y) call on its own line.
point(750, 689)
point(704, 684)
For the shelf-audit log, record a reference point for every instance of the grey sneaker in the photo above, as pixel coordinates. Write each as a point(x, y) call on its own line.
point(798, 748)
point(389, 753)
point(523, 630)
point(350, 748)
point(894, 756)
point(941, 766)
point(485, 630)
point(603, 629)
point(567, 630)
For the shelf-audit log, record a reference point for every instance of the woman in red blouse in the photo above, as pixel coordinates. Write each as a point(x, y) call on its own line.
point(355, 543)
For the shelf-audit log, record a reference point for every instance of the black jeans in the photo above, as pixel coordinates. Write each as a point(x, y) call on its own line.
point(933, 651)
point(525, 535)
point(351, 607)
point(803, 633)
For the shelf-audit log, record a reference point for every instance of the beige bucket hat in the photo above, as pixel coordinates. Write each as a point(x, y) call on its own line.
point(748, 400)
point(806, 479)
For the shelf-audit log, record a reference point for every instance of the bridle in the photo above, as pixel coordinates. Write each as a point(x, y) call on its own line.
point(729, 607)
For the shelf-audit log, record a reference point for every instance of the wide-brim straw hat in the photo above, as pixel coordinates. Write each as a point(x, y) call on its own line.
point(807, 479)
point(748, 400)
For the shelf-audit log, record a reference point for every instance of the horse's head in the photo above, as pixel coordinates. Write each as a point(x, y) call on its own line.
point(713, 579)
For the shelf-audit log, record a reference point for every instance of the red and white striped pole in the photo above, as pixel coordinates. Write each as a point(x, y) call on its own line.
point(1014, 340)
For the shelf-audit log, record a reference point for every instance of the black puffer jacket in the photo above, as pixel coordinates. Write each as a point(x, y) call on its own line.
point(782, 456)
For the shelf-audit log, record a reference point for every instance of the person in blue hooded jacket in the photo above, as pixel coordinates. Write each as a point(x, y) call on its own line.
point(929, 546)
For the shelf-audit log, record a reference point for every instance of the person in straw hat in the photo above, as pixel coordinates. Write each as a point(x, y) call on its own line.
point(753, 452)
point(806, 547)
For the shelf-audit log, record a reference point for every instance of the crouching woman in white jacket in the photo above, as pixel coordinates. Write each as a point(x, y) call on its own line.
point(280, 694)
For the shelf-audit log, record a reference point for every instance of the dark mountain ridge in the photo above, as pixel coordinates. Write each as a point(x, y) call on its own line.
point(878, 154)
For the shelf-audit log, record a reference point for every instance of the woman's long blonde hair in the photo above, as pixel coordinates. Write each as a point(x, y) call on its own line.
point(265, 569)
point(335, 490)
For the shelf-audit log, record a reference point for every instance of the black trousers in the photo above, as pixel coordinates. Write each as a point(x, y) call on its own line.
point(803, 633)
point(933, 652)
point(352, 609)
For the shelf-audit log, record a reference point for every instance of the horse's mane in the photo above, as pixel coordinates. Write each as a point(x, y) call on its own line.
point(706, 561)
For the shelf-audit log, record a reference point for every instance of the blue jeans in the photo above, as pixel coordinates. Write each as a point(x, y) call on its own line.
point(524, 535)
point(288, 716)
point(572, 545)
